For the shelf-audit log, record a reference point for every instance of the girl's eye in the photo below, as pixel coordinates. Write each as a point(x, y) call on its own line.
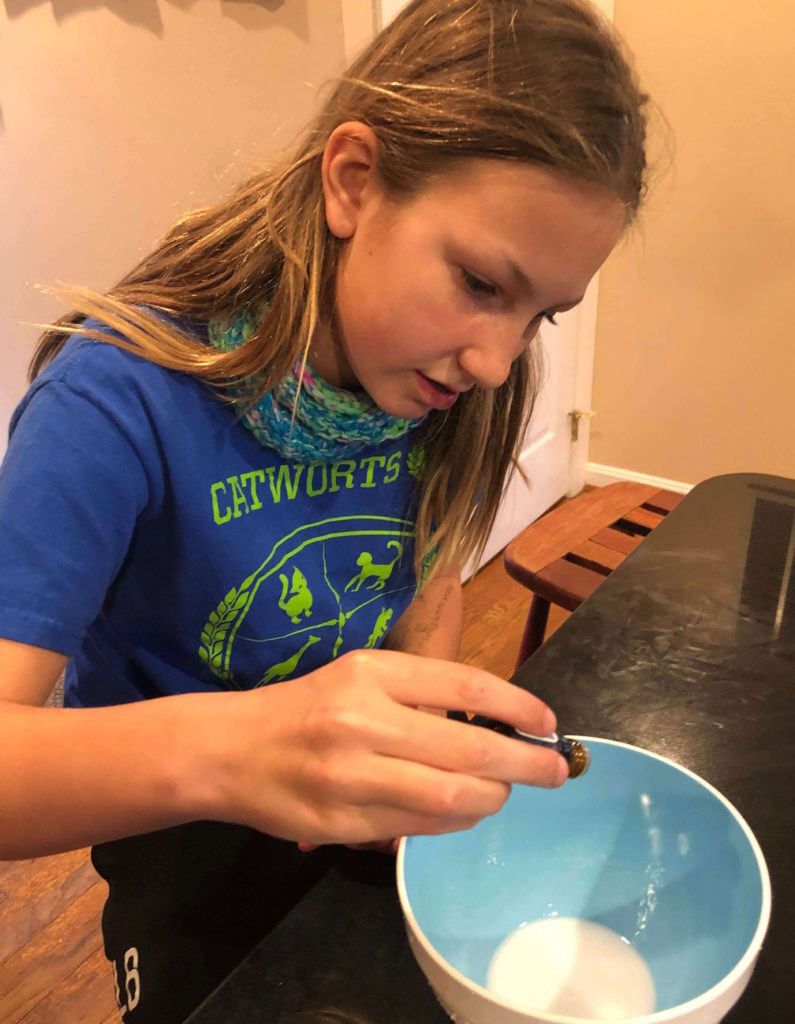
point(477, 286)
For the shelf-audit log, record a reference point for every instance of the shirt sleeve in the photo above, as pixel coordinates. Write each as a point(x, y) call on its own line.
point(72, 486)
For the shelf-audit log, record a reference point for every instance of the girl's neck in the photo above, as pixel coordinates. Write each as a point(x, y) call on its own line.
point(328, 358)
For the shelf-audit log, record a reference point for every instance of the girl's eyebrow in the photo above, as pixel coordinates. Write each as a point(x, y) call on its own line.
point(522, 280)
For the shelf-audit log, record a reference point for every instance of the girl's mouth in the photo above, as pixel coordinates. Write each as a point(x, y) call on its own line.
point(437, 395)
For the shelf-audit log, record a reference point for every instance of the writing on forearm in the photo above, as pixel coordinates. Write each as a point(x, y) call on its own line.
point(433, 612)
point(432, 624)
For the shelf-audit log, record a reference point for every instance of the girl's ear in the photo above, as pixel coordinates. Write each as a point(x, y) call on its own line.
point(349, 175)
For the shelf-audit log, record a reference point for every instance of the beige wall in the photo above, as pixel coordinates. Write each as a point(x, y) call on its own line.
point(695, 351)
point(116, 118)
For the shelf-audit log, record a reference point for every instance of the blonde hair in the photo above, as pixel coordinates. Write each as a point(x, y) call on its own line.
point(541, 81)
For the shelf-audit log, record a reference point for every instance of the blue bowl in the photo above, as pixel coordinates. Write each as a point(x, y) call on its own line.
point(639, 870)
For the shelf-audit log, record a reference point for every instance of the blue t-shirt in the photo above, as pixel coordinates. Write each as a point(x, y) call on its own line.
point(147, 534)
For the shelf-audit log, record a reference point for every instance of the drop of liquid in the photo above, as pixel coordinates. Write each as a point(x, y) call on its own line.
point(568, 966)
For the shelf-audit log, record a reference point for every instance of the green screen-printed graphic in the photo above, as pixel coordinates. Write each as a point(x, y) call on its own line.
point(381, 626)
point(299, 601)
point(416, 461)
point(374, 575)
point(283, 669)
point(366, 549)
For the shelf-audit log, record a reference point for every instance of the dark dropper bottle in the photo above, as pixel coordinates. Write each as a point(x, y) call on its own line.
point(576, 753)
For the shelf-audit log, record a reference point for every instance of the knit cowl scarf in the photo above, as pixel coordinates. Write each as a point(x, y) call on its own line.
point(304, 418)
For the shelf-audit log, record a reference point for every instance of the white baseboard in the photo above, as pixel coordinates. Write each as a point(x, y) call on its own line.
point(599, 476)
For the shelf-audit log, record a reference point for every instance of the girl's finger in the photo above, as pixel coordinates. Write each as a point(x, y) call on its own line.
point(409, 787)
point(387, 846)
point(424, 825)
point(457, 747)
point(442, 684)
point(374, 845)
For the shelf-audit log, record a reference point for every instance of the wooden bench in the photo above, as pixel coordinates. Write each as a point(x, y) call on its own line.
point(564, 556)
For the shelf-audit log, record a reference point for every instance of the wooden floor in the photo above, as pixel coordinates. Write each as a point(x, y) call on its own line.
point(52, 968)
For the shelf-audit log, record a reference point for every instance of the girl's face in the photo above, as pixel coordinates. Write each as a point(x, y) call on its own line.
point(442, 292)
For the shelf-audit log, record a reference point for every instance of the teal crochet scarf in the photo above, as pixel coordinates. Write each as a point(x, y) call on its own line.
point(329, 423)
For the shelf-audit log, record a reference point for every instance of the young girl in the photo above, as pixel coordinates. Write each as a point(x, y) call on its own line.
point(240, 489)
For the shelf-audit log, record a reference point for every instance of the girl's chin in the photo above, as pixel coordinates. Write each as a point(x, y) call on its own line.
point(398, 399)
point(405, 409)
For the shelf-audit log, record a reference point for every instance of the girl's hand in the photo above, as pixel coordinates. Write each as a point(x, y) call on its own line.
point(342, 755)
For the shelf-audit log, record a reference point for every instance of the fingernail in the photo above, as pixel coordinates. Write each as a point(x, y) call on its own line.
point(550, 721)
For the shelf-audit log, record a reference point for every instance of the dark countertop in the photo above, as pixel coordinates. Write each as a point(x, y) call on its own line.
point(343, 947)
point(688, 650)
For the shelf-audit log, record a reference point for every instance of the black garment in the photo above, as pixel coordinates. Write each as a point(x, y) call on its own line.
point(187, 904)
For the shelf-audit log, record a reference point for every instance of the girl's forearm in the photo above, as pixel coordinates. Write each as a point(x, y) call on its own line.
point(75, 777)
point(339, 755)
point(432, 624)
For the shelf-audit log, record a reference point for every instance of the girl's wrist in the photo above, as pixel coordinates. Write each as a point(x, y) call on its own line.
point(208, 754)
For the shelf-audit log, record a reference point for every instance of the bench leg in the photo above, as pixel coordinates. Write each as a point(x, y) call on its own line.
point(534, 629)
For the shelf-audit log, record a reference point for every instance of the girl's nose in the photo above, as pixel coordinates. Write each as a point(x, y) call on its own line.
point(487, 361)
